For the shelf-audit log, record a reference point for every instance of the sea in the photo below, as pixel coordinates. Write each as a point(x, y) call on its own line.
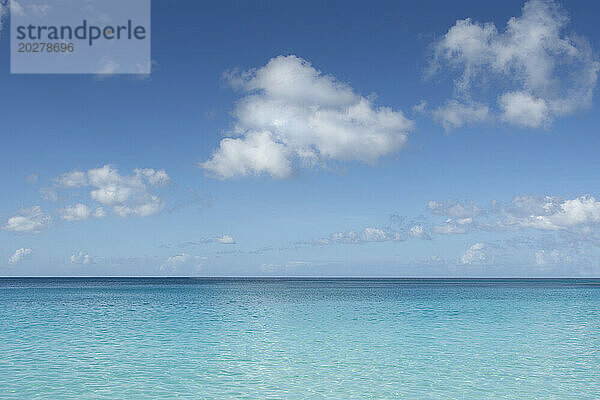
point(301, 338)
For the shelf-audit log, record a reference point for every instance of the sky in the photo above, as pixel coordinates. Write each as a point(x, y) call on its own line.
point(315, 139)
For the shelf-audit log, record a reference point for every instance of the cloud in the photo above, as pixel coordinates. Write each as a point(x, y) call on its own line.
point(155, 177)
point(551, 257)
point(77, 212)
point(16, 9)
point(4, 12)
point(128, 195)
point(182, 262)
point(398, 229)
point(80, 212)
point(551, 213)
point(107, 65)
point(39, 9)
point(293, 115)
point(450, 227)
point(539, 71)
point(99, 213)
point(82, 258)
point(420, 108)
point(418, 231)
point(32, 178)
point(580, 215)
point(476, 254)
point(72, 179)
point(522, 108)
point(20, 255)
point(223, 239)
point(461, 216)
point(49, 194)
point(455, 114)
point(30, 219)
point(453, 209)
point(367, 235)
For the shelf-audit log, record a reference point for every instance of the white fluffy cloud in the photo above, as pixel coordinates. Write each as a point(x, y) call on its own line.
point(30, 219)
point(128, 195)
point(293, 114)
point(20, 255)
point(540, 71)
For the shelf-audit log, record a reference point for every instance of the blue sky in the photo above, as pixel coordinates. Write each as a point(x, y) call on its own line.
point(322, 138)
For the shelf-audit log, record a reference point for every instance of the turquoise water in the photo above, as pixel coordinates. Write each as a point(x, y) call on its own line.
point(297, 339)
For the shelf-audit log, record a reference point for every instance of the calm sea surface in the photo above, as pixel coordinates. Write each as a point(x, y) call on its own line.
point(299, 338)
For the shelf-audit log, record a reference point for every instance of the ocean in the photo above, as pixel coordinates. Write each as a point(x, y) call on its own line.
point(108, 338)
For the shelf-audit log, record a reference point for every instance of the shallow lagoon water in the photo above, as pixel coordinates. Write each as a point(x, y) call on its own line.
point(299, 338)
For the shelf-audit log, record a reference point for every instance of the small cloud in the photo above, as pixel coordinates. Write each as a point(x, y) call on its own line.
point(454, 209)
point(181, 262)
point(144, 70)
point(448, 229)
point(20, 255)
point(32, 178)
point(418, 231)
point(78, 212)
point(39, 10)
point(106, 68)
point(30, 219)
point(82, 258)
point(367, 235)
point(72, 179)
point(420, 108)
point(99, 213)
point(225, 239)
point(16, 9)
point(155, 177)
point(455, 114)
point(49, 194)
point(476, 254)
point(551, 257)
